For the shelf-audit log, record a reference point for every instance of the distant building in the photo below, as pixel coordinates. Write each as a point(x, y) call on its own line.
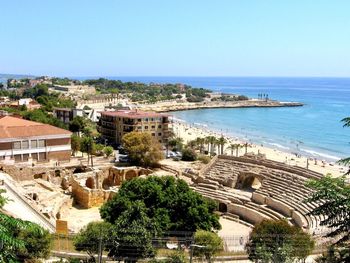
point(66, 114)
point(74, 90)
point(113, 125)
point(22, 141)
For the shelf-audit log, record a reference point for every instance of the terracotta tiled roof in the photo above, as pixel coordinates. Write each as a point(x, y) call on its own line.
point(133, 114)
point(13, 127)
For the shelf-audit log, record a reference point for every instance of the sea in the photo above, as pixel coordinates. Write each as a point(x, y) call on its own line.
point(314, 130)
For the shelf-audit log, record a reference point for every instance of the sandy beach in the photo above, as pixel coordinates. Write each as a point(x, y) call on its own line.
point(190, 132)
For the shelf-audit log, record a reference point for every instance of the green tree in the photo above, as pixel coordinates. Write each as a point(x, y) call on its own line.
point(142, 149)
point(132, 235)
point(37, 243)
point(78, 124)
point(88, 239)
point(234, 146)
point(209, 244)
point(221, 142)
point(88, 146)
point(278, 242)
point(176, 144)
point(108, 151)
point(75, 144)
point(346, 161)
point(333, 195)
point(170, 203)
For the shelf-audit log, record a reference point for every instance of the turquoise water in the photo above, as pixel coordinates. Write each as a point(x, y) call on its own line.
point(313, 130)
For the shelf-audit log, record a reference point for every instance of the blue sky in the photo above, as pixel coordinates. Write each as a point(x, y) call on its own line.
point(175, 37)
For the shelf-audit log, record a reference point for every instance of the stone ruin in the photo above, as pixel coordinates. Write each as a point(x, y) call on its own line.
point(251, 188)
point(95, 187)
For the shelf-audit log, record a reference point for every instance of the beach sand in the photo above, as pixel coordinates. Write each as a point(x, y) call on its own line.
point(190, 132)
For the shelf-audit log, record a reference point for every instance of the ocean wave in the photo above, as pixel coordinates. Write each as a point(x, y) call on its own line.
point(279, 146)
point(328, 156)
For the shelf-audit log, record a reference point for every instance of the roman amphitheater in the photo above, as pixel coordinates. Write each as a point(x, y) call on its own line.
point(247, 190)
point(250, 188)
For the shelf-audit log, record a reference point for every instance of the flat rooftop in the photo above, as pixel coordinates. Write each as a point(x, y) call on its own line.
point(133, 114)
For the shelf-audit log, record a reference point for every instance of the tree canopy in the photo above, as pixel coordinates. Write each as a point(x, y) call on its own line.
point(333, 195)
point(169, 203)
point(278, 242)
point(209, 244)
point(142, 148)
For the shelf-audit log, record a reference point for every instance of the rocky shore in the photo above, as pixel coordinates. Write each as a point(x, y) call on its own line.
point(177, 106)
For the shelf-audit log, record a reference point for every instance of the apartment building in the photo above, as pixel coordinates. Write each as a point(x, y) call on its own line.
point(66, 114)
point(113, 125)
point(23, 141)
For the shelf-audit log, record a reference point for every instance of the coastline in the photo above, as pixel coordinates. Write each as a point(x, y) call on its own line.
point(168, 106)
point(191, 131)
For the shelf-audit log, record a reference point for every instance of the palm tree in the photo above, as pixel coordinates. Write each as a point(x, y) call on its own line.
point(221, 142)
point(234, 146)
point(246, 147)
point(211, 140)
point(200, 141)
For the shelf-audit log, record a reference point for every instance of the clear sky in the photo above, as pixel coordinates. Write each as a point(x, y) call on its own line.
point(175, 37)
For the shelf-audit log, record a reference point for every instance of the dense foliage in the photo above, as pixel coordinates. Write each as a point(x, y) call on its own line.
point(147, 92)
point(188, 154)
point(48, 100)
point(278, 242)
point(169, 203)
point(132, 234)
point(142, 149)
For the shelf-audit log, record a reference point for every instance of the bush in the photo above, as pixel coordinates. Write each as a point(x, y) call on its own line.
point(204, 158)
point(189, 155)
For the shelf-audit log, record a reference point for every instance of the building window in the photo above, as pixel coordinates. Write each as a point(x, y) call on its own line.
point(41, 143)
point(153, 126)
point(159, 134)
point(17, 145)
point(139, 127)
point(25, 157)
point(146, 119)
point(18, 158)
point(160, 141)
point(153, 134)
point(25, 144)
point(159, 126)
point(146, 127)
point(139, 120)
point(33, 144)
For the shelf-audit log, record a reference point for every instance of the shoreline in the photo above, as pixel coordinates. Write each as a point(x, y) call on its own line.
point(189, 132)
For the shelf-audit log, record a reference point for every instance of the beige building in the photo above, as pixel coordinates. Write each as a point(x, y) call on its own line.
point(24, 141)
point(113, 125)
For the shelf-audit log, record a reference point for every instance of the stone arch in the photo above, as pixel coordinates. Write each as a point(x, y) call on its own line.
point(222, 207)
point(130, 174)
point(249, 181)
point(90, 183)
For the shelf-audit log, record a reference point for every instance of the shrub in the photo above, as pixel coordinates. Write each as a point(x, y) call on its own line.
point(189, 155)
